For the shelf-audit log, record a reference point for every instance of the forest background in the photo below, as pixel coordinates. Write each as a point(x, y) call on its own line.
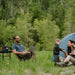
point(37, 22)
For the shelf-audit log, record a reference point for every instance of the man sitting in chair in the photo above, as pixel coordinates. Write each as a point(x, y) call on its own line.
point(20, 51)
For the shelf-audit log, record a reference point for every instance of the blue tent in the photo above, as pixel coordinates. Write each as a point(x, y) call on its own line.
point(64, 42)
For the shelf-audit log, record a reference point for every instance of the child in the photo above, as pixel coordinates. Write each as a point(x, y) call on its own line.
point(57, 50)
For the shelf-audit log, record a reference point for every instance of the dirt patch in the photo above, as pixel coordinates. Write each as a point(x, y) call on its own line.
point(42, 73)
point(67, 72)
point(0, 70)
point(27, 72)
point(11, 72)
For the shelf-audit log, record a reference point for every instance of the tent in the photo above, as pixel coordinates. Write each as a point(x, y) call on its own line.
point(64, 42)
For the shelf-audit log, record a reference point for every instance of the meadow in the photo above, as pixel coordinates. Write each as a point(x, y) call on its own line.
point(42, 65)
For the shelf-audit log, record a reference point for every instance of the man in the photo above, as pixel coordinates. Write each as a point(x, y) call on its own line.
point(19, 49)
point(70, 55)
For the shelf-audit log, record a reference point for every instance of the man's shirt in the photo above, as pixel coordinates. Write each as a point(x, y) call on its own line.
point(18, 47)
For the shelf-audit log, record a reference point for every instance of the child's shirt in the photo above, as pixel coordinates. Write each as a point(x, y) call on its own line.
point(56, 49)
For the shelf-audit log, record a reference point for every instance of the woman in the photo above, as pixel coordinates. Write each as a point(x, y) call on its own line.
point(69, 48)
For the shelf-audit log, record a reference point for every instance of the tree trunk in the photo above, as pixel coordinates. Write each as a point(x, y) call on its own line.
point(62, 2)
point(30, 1)
point(39, 2)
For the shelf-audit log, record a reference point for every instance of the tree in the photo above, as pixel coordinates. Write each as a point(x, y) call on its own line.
point(69, 19)
point(47, 32)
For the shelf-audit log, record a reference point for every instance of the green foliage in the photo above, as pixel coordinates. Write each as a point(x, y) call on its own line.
point(58, 13)
point(36, 14)
point(45, 29)
point(69, 19)
point(11, 21)
point(23, 26)
point(6, 33)
point(1, 13)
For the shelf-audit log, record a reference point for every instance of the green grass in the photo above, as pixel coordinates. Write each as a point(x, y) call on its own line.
point(41, 64)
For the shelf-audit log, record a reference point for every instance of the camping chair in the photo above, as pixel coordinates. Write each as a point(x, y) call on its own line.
point(31, 50)
point(5, 50)
point(29, 55)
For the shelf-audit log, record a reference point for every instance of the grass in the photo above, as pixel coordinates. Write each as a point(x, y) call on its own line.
point(41, 64)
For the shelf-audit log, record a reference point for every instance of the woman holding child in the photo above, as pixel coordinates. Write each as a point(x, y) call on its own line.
point(70, 54)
